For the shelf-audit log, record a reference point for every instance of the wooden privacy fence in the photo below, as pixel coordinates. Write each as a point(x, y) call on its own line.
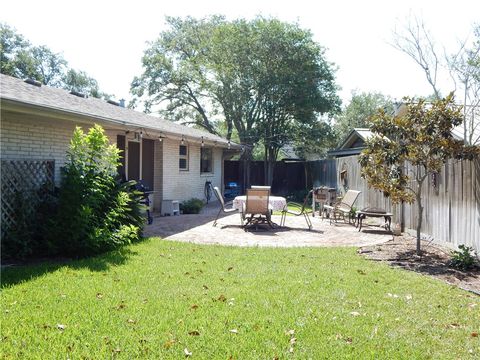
point(23, 180)
point(451, 202)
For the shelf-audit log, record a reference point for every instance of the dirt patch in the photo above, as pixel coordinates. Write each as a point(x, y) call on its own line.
point(400, 252)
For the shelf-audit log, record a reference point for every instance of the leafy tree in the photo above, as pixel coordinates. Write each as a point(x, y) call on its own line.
point(79, 81)
point(357, 113)
point(260, 77)
point(11, 46)
point(21, 59)
point(422, 137)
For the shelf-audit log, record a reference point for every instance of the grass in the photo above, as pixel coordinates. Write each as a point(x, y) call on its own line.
point(157, 298)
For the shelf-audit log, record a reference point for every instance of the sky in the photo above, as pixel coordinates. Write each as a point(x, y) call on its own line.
point(107, 38)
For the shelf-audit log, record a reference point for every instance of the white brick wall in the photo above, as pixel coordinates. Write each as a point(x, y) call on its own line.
point(33, 137)
point(28, 137)
point(184, 185)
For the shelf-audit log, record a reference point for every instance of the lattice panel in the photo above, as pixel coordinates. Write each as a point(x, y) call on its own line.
point(27, 178)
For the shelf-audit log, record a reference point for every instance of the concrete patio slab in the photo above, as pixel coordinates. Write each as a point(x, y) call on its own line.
point(199, 229)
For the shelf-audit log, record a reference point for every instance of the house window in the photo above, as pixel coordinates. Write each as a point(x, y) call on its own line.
point(206, 160)
point(183, 157)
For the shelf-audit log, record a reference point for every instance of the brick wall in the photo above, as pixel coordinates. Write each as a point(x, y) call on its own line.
point(184, 185)
point(29, 137)
point(34, 137)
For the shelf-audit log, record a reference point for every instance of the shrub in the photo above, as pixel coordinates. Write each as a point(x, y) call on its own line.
point(463, 258)
point(192, 206)
point(28, 236)
point(96, 212)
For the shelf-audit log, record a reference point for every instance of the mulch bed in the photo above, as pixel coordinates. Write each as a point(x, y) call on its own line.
point(400, 252)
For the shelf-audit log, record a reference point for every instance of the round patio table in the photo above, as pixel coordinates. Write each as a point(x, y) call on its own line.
point(277, 203)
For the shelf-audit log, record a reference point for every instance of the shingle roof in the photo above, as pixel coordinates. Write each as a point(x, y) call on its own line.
point(61, 100)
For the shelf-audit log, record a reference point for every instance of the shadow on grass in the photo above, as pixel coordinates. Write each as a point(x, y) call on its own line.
point(15, 274)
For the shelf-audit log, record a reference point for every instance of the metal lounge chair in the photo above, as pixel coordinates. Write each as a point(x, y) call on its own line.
point(256, 205)
point(262, 187)
point(344, 207)
point(223, 208)
point(297, 209)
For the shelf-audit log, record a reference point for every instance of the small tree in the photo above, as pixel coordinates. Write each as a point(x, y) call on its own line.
point(96, 212)
point(421, 136)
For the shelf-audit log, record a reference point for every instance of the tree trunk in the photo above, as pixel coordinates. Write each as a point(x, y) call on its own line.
point(420, 214)
point(246, 160)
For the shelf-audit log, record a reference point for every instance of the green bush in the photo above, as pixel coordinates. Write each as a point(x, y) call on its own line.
point(28, 237)
point(463, 259)
point(192, 206)
point(96, 212)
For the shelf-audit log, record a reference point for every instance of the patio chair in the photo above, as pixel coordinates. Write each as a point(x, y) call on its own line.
point(261, 187)
point(344, 207)
point(223, 208)
point(256, 204)
point(297, 209)
point(320, 196)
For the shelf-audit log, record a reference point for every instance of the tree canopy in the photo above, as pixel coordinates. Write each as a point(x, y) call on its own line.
point(261, 78)
point(21, 59)
point(357, 113)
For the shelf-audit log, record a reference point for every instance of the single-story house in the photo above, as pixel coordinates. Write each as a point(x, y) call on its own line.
point(353, 144)
point(175, 161)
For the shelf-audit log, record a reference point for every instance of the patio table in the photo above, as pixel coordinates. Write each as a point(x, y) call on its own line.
point(276, 203)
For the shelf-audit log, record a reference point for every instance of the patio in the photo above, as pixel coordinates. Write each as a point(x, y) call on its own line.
point(198, 229)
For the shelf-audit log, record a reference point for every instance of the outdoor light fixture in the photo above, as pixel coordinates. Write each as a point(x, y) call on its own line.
point(183, 140)
point(160, 137)
point(141, 134)
point(203, 144)
point(229, 145)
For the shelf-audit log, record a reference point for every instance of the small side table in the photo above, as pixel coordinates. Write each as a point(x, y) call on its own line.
point(170, 207)
point(361, 215)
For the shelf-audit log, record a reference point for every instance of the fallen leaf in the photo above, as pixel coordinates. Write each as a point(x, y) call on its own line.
point(361, 272)
point(293, 340)
point(290, 350)
point(131, 321)
point(145, 301)
point(187, 353)
point(230, 268)
point(205, 287)
point(99, 295)
point(222, 298)
point(348, 340)
point(169, 343)
point(338, 337)
point(117, 350)
point(355, 313)
point(290, 332)
point(234, 331)
point(61, 327)
point(121, 306)
point(408, 297)
point(454, 325)
point(194, 333)
point(194, 307)
point(474, 334)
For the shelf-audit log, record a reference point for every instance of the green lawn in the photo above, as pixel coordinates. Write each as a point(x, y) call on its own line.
point(156, 299)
